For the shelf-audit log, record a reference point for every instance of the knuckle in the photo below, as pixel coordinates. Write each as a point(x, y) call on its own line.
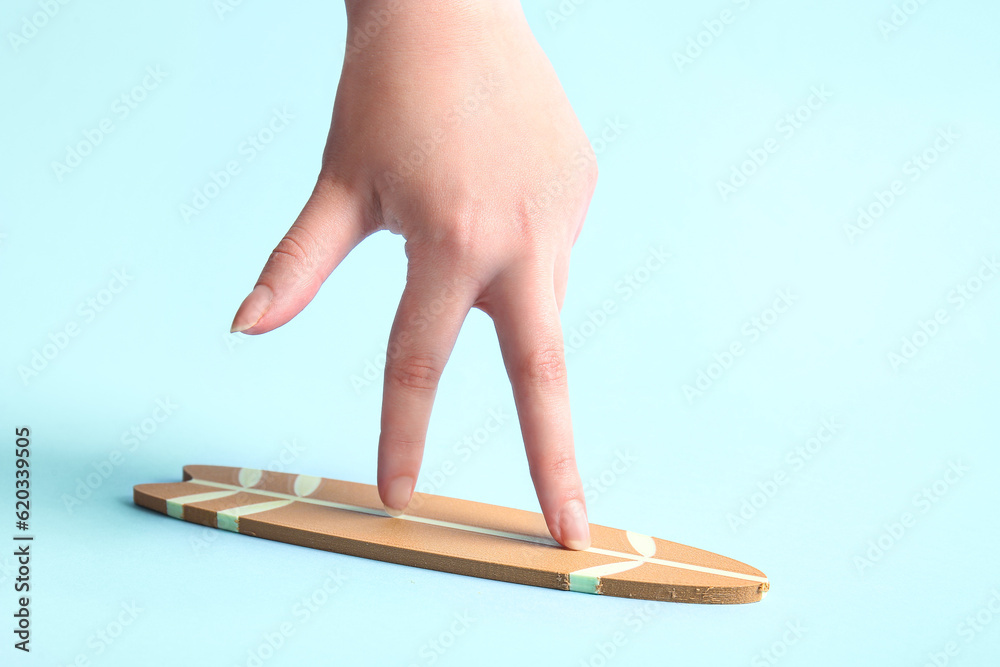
point(545, 367)
point(457, 238)
point(295, 247)
point(416, 371)
point(561, 466)
point(454, 220)
point(404, 443)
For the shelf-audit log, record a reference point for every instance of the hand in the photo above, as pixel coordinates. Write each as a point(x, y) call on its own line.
point(450, 127)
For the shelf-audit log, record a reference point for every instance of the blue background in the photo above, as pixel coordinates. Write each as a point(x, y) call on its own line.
point(296, 399)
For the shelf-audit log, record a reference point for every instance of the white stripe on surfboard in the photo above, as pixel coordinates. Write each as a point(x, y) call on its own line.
point(378, 512)
point(683, 566)
point(175, 506)
point(230, 519)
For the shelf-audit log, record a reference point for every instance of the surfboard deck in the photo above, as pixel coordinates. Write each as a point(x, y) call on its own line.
point(449, 535)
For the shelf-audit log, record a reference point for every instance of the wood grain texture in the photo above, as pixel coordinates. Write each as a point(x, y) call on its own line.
point(449, 535)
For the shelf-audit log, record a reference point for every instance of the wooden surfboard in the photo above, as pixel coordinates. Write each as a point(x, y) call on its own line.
point(449, 535)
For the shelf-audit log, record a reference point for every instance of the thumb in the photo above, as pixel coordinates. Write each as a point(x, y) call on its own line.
point(329, 226)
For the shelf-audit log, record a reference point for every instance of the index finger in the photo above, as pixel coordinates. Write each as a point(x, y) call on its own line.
point(430, 314)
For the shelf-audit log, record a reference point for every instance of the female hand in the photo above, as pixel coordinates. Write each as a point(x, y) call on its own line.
point(450, 127)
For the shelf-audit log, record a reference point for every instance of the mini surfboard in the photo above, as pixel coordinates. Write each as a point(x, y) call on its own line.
point(449, 535)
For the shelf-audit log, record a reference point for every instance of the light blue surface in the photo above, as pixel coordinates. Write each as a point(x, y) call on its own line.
point(672, 467)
